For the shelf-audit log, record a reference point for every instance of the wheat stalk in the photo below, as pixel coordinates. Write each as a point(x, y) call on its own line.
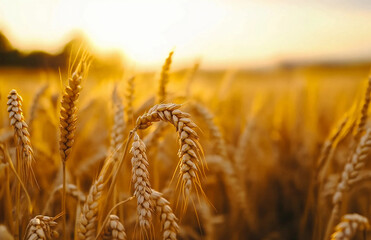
point(351, 171)
point(168, 219)
point(140, 179)
point(68, 121)
point(41, 228)
point(349, 225)
point(114, 229)
point(89, 213)
point(164, 78)
point(190, 150)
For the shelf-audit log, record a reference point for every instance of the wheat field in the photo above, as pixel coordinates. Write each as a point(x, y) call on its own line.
point(191, 154)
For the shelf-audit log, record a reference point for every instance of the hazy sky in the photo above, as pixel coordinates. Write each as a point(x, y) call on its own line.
point(221, 32)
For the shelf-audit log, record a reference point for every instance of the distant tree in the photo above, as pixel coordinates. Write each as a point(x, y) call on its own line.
point(5, 45)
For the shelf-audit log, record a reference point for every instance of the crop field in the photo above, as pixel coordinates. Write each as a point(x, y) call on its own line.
point(189, 154)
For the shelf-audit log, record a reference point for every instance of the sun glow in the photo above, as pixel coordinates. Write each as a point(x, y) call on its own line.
point(147, 30)
point(222, 32)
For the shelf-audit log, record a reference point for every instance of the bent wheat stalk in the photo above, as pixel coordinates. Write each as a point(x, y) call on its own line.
point(189, 152)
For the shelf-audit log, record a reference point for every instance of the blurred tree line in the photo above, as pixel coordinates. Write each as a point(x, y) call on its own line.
point(12, 57)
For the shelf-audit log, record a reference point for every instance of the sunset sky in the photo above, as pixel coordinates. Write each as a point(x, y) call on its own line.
point(221, 32)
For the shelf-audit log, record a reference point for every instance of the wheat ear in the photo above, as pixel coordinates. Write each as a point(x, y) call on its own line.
point(190, 150)
point(41, 228)
point(117, 132)
point(24, 149)
point(89, 213)
point(164, 78)
point(140, 179)
point(351, 171)
point(364, 110)
point(68, 121)
point(114, 229)
point(168, 219)
point(129, 97)
point(68, 110)
point(219, 147)
point(20, 131)
point(349, 225)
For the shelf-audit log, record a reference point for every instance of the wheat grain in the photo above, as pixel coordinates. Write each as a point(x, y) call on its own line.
point(41, 228)
point(140, 179)
point(114, 229)
point(349, 225)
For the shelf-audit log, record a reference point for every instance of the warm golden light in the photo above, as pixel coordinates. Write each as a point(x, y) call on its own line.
point(223, 33)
